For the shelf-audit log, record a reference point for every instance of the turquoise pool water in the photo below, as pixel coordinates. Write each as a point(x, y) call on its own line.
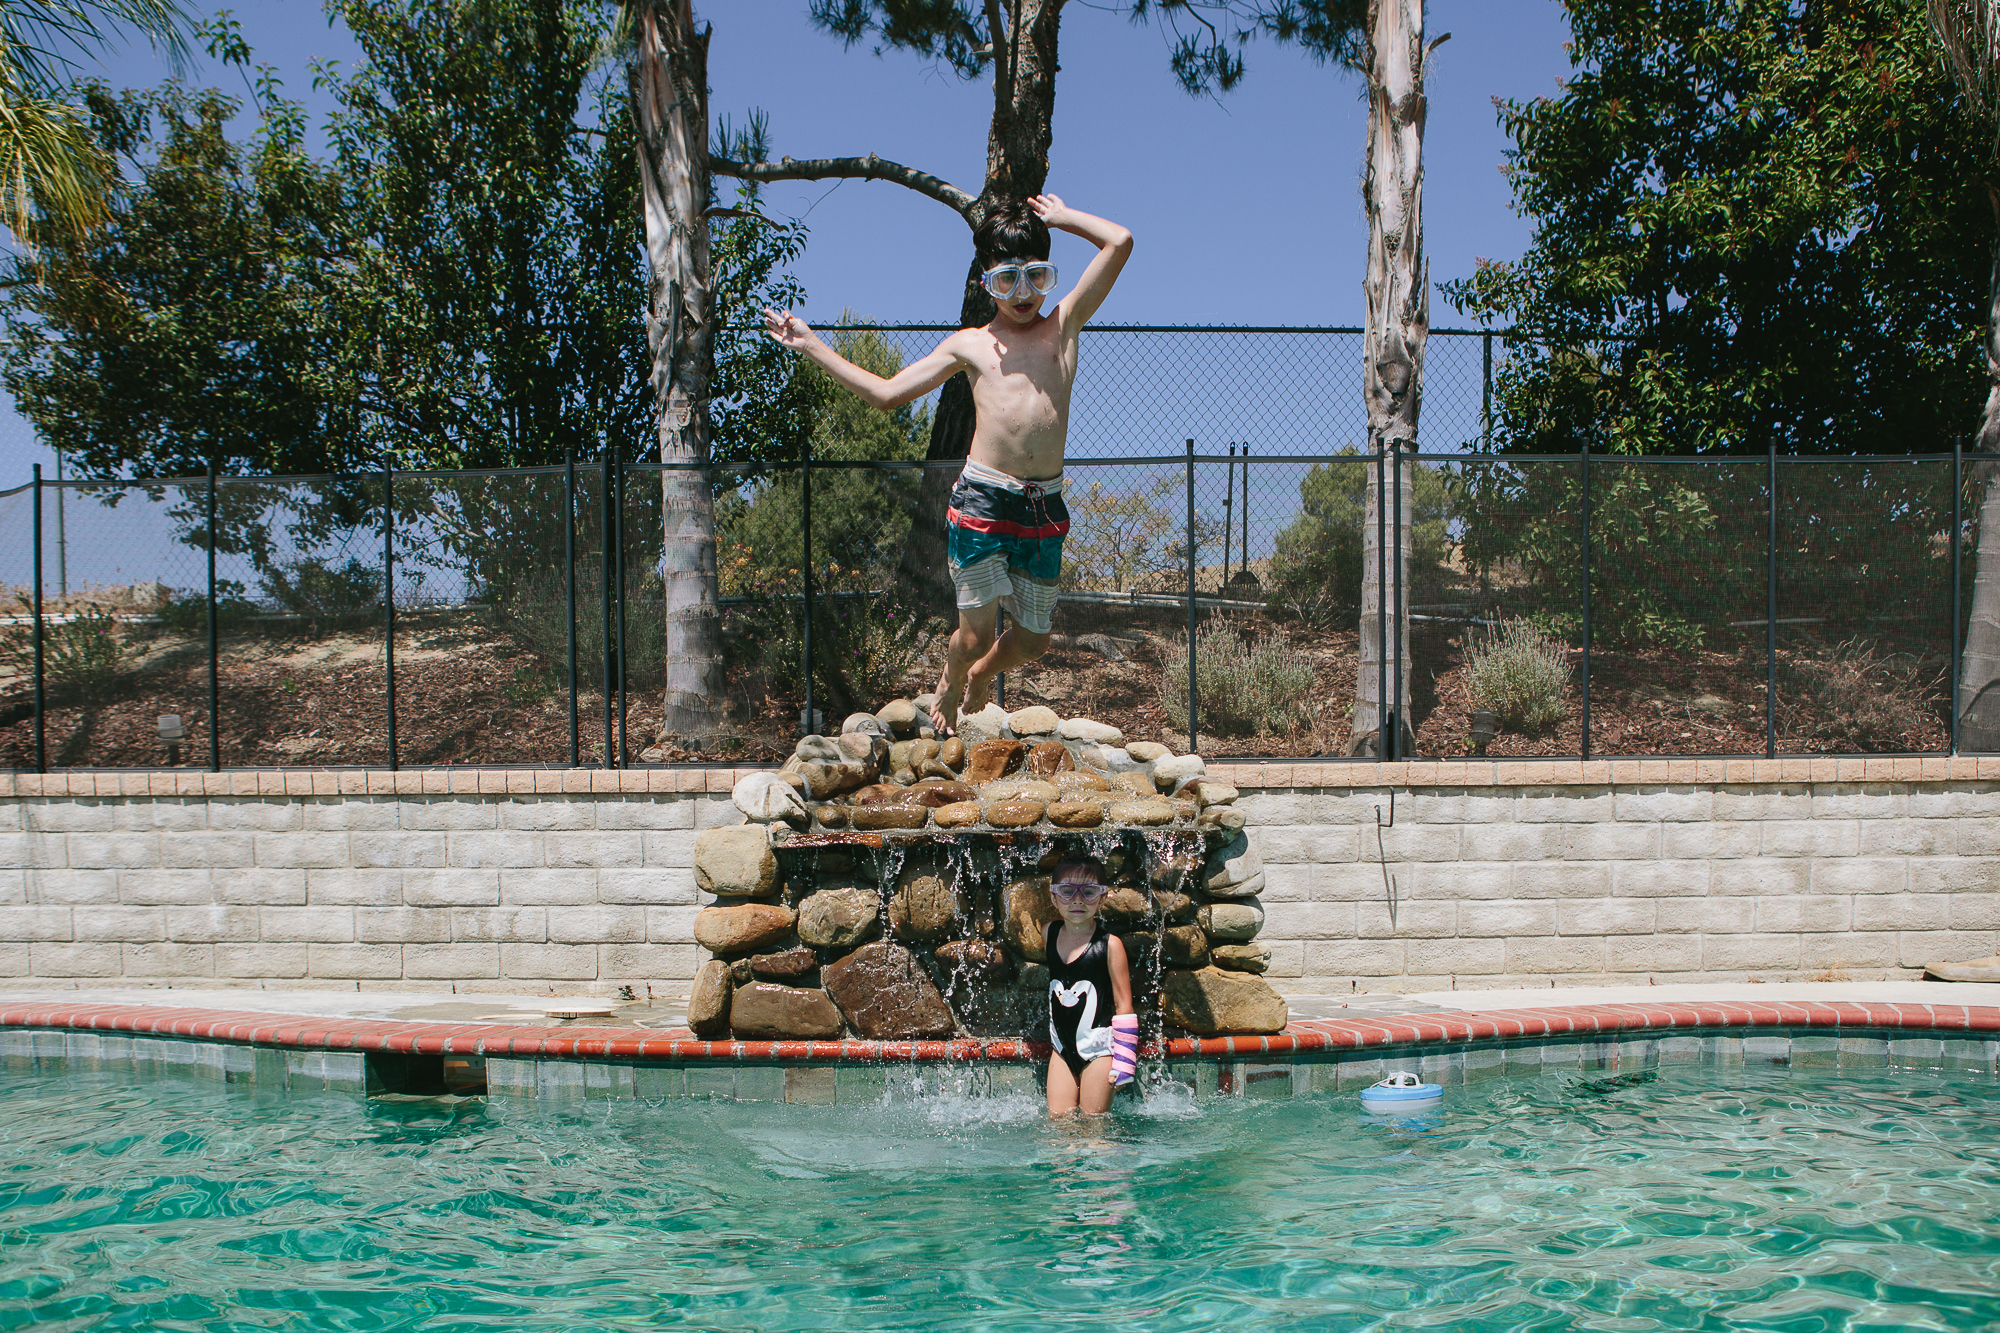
point(1697, 1198)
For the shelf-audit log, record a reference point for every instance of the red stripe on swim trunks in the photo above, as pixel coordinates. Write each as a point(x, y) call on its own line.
point(960, 519)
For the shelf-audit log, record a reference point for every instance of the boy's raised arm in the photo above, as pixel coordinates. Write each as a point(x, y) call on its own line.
point(1114, 247)
point(908, 384)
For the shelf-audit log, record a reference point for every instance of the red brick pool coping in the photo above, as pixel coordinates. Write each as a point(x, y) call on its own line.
point(1306, 1037)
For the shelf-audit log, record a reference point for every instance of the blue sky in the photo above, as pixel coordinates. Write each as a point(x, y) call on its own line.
point(1246, 209)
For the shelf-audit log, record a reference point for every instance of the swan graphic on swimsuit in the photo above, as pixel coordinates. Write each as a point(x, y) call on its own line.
point(1092, 1041)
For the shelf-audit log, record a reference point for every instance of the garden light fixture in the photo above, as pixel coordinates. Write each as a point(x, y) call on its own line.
point(1485, 726)
point(172, 733)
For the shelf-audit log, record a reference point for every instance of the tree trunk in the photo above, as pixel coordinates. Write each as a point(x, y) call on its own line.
point(1017, 165)
point(1979, 668)
point(669, 91)
point(1398, 288)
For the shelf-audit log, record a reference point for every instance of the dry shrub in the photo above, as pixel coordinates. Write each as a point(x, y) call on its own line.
point(1521, 674)
point(1249, 685)
point(1859, 694)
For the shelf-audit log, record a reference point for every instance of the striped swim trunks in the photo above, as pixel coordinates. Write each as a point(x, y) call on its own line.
point(1005, 536)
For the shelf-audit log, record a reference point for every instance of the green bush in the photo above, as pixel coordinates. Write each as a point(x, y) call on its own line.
point(81, 656)
point(1250, 685)
point(327, 597)
point(187, 611)
point(1316, 568)
point(865, 645)
point(536, 612)
point(1521, 674)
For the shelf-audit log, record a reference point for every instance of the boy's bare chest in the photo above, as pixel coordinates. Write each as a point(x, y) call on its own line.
point(1029, 364)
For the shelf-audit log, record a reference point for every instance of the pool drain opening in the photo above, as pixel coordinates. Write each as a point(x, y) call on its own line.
point(425, 1075)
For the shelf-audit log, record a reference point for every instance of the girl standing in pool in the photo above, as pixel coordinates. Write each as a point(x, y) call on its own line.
point(1092, 1024)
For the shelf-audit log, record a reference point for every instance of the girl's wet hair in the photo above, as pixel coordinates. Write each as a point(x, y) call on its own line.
point(1075, 861)
point(1011, 231)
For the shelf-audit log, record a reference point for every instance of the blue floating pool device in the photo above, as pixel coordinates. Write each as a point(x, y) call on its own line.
point(1400, 1094)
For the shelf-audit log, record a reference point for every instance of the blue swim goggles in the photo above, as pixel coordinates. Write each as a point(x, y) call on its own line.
point(1008, 279)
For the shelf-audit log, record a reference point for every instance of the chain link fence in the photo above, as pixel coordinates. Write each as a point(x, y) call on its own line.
point(1217, 488)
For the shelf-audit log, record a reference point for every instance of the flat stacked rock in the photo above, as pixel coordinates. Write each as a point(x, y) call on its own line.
point(894, 886)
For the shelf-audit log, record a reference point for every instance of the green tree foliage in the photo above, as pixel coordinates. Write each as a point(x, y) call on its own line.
point(1316, 568)
point(859, 515)
point(1751, 228)
point(458, 283)
point(54, 175)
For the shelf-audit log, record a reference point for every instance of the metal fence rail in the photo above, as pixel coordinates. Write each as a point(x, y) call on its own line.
point(1713, 606)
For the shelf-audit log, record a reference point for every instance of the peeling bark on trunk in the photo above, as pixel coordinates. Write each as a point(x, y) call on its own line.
point(1979, 667)
point(669, 92)
point(1017, 165)
point(1398, 289)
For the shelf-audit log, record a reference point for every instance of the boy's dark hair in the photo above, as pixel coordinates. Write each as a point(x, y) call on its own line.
point(1073, 861)
point(1012, 230)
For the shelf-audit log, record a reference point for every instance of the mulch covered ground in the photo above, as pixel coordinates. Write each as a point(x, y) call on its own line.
point(467, 694)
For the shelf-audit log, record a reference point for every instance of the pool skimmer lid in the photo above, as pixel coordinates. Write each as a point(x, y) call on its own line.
point(1399, 1093)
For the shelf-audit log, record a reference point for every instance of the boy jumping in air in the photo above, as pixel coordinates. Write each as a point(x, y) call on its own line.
point(1007, 517)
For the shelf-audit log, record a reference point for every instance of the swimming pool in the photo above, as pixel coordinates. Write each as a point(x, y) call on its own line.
point(1682, 1197)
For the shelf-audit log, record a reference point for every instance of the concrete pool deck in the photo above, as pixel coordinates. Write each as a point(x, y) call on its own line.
point(515, 1027)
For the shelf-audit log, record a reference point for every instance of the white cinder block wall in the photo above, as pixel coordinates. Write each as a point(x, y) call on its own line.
point(592, 890)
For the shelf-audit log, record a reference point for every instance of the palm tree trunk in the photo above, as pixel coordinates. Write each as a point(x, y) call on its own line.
point(1979, 668)
point(1398, 288)
point(669, 92)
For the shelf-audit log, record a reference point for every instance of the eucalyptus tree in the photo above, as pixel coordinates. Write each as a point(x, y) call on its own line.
point(667, 85)
point(1016, 45)
point(1969, 31)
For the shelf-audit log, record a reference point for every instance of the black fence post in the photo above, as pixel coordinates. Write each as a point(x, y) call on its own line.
point(389, 597)
point(1957, 541)
point(808, 725)
point(605, 581)
point(569, 572)
point(214, 687)
point(1486, 390)
point(1381, 607)
point(618, 592)
point(1584, 465)
point(1396, 718)
point(1771, 618)
point(41, 701)
point(1194, 728)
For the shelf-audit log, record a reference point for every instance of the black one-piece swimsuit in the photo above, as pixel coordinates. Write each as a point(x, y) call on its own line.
point(1081, 1001)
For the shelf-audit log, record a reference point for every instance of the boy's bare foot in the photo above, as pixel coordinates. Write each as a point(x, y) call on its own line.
point(944, 713)
point(977, 690)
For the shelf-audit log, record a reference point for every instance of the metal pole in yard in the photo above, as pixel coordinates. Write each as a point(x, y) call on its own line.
point(1586, 598)
point(389, 598)
point(62, 541)
point(569, 571)
point(604, 569)
point(1957, 533)
point(1381, 606)
point(807, 725)
point(214, 690)
point(41, 703)
point(1194, 731)
point(1243, 549)
point(1771, 618)
point(1228, 529)
point(619, 591)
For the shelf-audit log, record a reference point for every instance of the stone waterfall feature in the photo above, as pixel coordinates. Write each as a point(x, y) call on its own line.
point(894, 886)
